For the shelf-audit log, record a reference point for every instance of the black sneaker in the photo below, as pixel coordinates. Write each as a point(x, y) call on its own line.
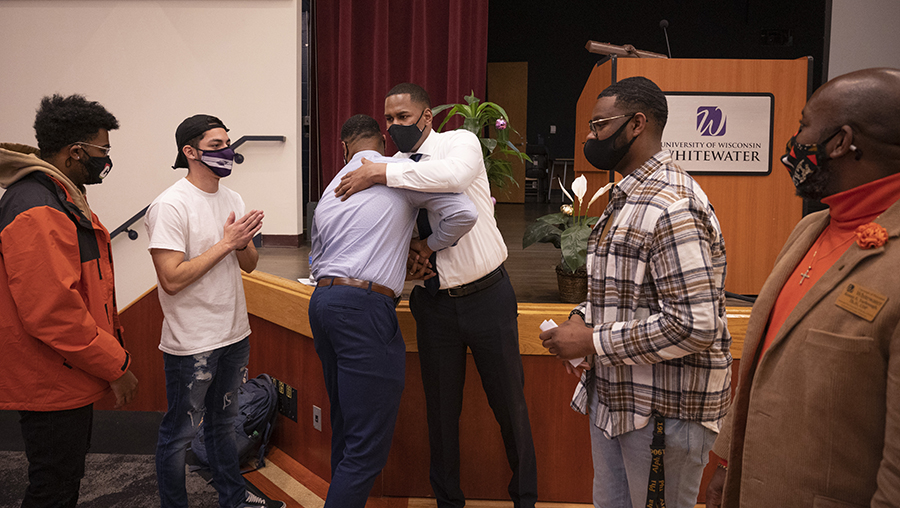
point(251, 500)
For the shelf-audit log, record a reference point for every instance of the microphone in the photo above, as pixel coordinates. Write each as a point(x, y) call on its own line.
point(238, 158)
point(665, 24)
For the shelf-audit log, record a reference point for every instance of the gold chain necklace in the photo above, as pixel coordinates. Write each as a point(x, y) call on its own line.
point(805, 275)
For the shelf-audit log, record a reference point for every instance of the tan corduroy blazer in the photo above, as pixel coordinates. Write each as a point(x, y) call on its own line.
point(817, 422)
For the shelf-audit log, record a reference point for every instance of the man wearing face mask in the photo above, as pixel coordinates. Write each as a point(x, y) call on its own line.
point(816, 414)
point(653, 328)
point(61, 341)
point(359, 261)
point(469, 304)
point(200, 240)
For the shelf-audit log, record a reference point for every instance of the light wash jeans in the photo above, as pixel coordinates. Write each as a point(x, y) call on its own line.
point(202, 389)
point(622, 464)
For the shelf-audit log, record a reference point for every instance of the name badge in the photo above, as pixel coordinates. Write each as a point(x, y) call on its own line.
point(861, 301)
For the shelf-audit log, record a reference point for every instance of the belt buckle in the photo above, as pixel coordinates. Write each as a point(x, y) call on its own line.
point(457, 292)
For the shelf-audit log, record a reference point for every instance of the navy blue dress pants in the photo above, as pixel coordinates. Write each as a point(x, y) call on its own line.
point(363, 356)
point(485, 322)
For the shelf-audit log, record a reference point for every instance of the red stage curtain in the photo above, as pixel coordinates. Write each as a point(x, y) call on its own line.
point(365, 47)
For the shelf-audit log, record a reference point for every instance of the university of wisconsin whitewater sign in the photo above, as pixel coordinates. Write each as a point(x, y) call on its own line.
point(724, 133)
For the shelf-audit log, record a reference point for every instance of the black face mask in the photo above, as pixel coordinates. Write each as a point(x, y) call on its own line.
point(97, 168)
point(602, 153)
point(406, 136)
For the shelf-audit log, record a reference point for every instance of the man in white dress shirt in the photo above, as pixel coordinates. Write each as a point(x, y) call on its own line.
point(471, 306)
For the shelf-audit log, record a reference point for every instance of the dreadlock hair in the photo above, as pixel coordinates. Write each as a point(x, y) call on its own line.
point(640, 94)
point(360, 126)
point(61, 121)
point(416, 93)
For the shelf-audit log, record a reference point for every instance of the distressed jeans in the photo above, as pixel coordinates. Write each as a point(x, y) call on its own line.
point(202, 389)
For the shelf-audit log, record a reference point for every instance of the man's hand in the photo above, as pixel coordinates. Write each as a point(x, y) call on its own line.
point(238, 233)
point(417, 264)
point(576, 371)
point(124, 388)
point(571, 339)
point(369, 174)
point(715, 488)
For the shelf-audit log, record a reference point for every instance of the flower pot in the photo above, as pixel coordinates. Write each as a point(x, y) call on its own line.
point(572, 286)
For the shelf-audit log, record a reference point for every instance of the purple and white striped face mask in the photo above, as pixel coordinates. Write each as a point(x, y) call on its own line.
point(221, 161)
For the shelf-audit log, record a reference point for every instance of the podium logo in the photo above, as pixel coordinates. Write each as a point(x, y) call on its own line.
point(710, 121)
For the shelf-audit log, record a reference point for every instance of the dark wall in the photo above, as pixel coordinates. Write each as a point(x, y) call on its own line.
point(551, 35)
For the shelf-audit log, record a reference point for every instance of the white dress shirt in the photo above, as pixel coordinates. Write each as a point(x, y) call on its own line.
point(452, 162)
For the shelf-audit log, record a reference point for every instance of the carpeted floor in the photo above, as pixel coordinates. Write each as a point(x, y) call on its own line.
point(110, 481)
point(120, 470)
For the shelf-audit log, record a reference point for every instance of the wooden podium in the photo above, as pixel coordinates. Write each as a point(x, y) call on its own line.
point(757, 212)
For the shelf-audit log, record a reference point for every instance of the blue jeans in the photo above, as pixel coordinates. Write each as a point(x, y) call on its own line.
point(622, 464)
point(202, 389)
point(363, 356)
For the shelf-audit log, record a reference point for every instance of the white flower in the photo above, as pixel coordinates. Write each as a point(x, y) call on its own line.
point(601, 191)
point(579, 187)
point(564, 190)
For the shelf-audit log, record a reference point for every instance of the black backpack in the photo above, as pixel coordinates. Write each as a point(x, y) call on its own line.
point(258, 402)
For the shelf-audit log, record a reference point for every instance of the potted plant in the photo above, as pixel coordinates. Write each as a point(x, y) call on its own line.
point(569, 232)
point(477, 116)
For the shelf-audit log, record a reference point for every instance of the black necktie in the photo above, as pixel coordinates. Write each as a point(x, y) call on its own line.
point(433, 284)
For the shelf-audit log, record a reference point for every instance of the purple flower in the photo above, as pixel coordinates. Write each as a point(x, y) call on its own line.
point(501, 124)
point(493, 200)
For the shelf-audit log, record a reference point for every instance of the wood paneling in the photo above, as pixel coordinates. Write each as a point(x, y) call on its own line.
point(757, 213)
point(291, 357)
point(281, 346)
point(142, 321)
point(507, 85)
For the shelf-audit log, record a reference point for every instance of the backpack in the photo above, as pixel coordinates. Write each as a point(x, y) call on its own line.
point(258, 402)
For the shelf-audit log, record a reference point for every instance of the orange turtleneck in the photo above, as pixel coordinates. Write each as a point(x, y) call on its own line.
point(848, 210)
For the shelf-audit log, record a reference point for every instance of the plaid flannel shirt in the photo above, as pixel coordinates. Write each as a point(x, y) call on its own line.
point(656, 303)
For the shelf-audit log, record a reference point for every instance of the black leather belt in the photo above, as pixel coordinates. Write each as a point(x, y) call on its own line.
point(476, 286)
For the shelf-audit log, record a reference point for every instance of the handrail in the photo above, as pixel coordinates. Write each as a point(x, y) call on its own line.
point(133, 235)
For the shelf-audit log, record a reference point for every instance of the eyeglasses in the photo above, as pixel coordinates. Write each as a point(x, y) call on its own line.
point(105, 149)
point(596, 125)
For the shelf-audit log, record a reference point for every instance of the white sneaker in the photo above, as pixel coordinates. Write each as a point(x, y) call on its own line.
point(251, 500)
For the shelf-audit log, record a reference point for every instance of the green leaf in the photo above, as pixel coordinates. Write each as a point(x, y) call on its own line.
point(489, 143)
point(499, 172)
point(541, 232)
point(453, 112)
point(557, 219)
point(574, 246)
point(442, 107)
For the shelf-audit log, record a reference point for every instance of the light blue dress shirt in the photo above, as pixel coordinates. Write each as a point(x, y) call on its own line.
point(367, 236)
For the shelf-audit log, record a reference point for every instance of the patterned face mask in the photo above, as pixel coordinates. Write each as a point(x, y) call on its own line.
point(806, 165)
point(221, 161)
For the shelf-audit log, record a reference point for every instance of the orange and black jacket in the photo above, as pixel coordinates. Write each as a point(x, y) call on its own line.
point(60, 338)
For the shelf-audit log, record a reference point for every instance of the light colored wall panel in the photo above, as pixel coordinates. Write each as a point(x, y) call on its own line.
point(152, 64)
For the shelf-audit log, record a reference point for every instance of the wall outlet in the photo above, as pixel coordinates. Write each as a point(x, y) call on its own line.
point(317, 418)
point(287, 399)
point(552, 129)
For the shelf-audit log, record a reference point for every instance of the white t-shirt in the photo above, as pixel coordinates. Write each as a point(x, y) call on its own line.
point(210, 313)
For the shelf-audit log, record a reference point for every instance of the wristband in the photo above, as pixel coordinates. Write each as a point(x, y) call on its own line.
point(244, 247)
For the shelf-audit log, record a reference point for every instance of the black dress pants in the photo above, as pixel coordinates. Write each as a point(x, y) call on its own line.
point(56, 443)
point(485, 322)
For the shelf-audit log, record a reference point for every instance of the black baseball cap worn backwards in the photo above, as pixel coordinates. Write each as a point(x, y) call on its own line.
point(189, 129)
